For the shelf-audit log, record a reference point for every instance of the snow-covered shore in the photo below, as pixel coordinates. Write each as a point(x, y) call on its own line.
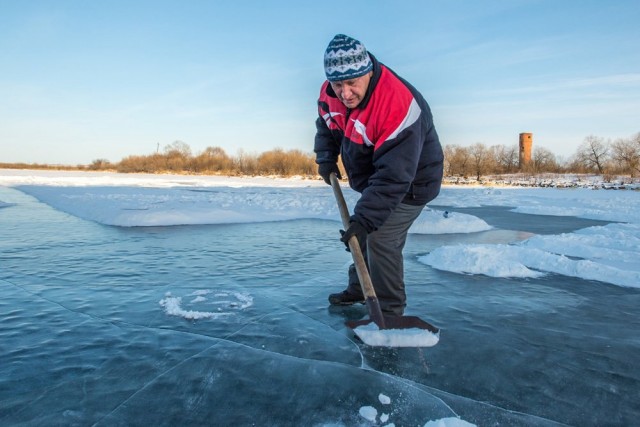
point(592, 182)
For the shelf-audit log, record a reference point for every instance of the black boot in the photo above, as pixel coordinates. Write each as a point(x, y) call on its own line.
point(345, 298)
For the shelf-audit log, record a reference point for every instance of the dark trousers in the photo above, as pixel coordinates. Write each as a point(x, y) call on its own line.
point(383, 254)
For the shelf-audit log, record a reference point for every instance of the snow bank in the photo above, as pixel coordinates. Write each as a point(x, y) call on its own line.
point(187, 202)
point(444, 222)
point(610, 253)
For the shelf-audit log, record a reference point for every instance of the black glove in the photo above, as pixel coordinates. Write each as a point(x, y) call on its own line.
point(325, 169)
point(355, 229)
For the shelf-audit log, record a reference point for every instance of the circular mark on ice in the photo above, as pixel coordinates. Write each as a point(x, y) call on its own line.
point(225, 304)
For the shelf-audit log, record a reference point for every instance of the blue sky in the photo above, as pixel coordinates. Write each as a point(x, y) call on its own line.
point(84, 80)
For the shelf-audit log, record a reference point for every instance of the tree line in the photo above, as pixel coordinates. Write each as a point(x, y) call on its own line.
point(178, 158)
point(594, 155)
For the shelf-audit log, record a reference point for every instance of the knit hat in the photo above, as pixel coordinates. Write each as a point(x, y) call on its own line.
point(346, 58)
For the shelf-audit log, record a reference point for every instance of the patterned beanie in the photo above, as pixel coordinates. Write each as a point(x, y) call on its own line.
point(346, 58)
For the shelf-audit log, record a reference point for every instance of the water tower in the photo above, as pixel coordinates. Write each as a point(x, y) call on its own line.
point(526, 141)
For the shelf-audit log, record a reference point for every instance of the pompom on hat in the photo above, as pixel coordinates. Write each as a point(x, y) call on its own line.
point(346, 58)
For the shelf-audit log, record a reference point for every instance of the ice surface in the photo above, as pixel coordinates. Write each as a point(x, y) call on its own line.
point(85, 340)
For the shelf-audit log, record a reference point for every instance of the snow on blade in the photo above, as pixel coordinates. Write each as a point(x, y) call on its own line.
point(371, 335)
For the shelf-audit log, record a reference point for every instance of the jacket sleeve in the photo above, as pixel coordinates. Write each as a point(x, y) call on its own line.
point(395, 161)
point(325, 146)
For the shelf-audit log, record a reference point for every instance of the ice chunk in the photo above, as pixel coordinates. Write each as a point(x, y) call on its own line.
point(385, 400)
point(369, 413)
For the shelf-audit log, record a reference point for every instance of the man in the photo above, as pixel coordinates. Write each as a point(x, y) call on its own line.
point(383, 129)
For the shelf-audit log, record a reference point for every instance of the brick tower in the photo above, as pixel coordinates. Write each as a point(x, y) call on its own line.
point(526, 141)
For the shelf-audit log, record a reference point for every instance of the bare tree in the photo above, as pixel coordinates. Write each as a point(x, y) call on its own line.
point(593, 153)
point(543, 160)
point(178, 156)
point(626, 153)
point(213, 159)
point(178, 148)
point(505, 158)
point(459, 160)
point(246, 164)
point(448, 157)
point(480, 159)
point(272, 162)
point(100, 164)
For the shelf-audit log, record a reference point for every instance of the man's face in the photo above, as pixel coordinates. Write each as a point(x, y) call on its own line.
point(350, 92)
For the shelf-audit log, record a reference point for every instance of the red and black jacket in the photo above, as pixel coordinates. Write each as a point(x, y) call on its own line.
point(389, 145)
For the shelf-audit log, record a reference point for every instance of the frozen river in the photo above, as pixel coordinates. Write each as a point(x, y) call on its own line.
point(228, 324)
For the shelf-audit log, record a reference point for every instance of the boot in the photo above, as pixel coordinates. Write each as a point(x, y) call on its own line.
point(345, 298)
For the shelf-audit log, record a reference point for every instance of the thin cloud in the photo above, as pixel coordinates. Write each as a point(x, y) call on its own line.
point(614, 81)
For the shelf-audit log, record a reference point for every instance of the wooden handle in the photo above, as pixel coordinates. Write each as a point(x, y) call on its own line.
point(342, 204)
point(354, 247)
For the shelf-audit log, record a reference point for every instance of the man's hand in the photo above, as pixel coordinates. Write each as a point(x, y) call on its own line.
point(355, 229)
point(325, 170)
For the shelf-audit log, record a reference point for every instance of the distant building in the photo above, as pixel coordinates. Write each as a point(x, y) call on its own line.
point(526, 142)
